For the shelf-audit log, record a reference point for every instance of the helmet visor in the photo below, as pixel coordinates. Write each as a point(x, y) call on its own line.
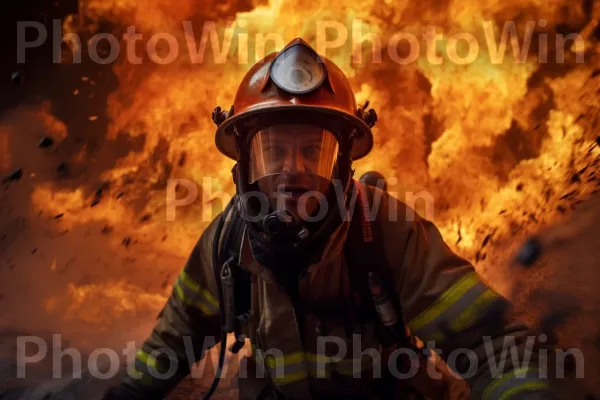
point(293, 149)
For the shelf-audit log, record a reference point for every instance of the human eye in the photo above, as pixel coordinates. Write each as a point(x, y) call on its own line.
point(311, 151)
point(274, 151)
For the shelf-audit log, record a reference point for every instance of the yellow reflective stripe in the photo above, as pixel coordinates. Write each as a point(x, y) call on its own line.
point(298, 357)
point(350, 361)
point(437, 337)
point(189, 292)
point(529, 386)
point(447, 299)
point(135, 373)
point(289, 378)
point(470, 315)
point(288, 359)
point(197, 304)
point(319, 358)
point(287, 369)
point(497, 383)
point(145, 379)
point(148, 360)
point(179, 291)
point(512, 375)
point(347, 366)
point(189, 282)
point(318, 365)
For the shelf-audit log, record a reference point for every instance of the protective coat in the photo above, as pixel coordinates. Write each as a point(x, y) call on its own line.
point(322, 353)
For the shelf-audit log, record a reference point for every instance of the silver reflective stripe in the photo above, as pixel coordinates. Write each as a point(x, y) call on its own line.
point(192, 294)
point(318, 365)
point(515, 382)
point(475, 311)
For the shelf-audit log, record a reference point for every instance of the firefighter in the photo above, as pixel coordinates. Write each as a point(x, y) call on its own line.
point(294, 131)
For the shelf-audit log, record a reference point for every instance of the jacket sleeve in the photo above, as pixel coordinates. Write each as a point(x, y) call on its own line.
point(186, 327)
point(450, 308)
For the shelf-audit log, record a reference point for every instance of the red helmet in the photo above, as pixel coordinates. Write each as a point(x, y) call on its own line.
point(295, 84)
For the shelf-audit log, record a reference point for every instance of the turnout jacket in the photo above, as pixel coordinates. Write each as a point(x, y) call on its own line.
point(445, 303)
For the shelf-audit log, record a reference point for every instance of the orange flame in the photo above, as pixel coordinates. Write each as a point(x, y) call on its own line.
point(487, 140)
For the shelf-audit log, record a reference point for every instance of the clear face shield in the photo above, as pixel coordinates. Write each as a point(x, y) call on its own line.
point(293, 149)
point(294, 166)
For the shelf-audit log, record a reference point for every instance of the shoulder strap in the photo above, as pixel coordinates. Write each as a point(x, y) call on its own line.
point(232, 236)
point(231, 242)
point(361, 252)
point(365, 252)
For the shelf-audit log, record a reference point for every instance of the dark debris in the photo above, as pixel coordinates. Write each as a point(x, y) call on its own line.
point(100, 189)
point(14, 176)
point(529, 252)
point(165, 283)
point(182, 159)
point(46, 142)
point(99, 192)
point(552, 320)
point(571, 193)
point(486, 240)
point(62, 167)
point(17, 78)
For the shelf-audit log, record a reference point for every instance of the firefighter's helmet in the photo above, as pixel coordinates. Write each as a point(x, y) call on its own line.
point(295, 84)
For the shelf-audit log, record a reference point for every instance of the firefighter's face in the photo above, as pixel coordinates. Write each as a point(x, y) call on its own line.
point(299, 194)
point(292, 165)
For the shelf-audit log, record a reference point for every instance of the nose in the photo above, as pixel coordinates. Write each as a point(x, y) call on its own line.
point(294, 163)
